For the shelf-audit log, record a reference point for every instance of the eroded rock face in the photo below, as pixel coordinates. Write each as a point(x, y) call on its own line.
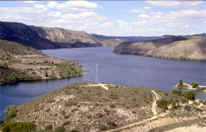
point(67, 38)
point(20, 63)
point(182, 48)
point(45, 38)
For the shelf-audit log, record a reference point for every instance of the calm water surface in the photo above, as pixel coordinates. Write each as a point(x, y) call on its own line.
point(104, 66)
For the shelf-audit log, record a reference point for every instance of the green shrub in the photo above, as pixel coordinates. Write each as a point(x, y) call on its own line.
point(12, 78)
point(11, 112)
point(19, 127)
point(72, 70)
point(195, 84)
point(189, 95)
point(177, 92)
point(180, 84)
point(74, 130)
point(163, 104)
point(60, 129)
point(49, 127)
point(66, 123)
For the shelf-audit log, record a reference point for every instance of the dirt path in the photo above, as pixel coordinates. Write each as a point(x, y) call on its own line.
point(98, 85)
point(154, 104)
point(154, 110)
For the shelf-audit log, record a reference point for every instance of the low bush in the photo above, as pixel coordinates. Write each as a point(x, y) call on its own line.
point(163, 103)
point(19, 127)
point(195, 84)
point(177, 92)
point(49, 127)
point(74, 130)
point(60, 129)
point(11, 112)
point(72, 70)
point(191, 95)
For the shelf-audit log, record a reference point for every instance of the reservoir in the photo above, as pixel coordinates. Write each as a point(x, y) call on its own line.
point(102, 65)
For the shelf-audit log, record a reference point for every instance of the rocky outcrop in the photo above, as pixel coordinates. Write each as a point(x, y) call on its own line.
point(45, 38)
point(67, 38)
point(20, 63)
point(173, 47)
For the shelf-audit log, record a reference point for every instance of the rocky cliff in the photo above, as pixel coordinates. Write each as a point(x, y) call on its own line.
point(67, 38)
point(20, 63)
point(45, 38)
point(173, 47)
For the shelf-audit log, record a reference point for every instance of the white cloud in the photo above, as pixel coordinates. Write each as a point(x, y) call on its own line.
point(29, 2)
point(186, 26)
point(78, 15)
point(147, 7)
point(140, 10)
point(84, 16)
point(143, 16)
point(41, 7)
point(73, 5)
point(52, 4)
point(136, 11)
point(176, 4)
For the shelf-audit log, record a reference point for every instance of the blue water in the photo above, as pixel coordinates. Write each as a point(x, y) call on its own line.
point(102, 65)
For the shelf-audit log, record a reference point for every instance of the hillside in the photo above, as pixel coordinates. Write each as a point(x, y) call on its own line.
point(67, 38)
point(99, 107)
point(87, 107)
point(127, 38)
point(20, 63)
point(45, 38)
point(173, 47)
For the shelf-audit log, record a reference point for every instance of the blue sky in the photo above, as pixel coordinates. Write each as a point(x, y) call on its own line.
point(124, 18)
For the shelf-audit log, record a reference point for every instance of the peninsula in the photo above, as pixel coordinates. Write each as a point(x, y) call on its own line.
point(21, 63)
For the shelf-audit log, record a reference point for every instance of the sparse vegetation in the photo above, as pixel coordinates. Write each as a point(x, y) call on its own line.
point(60, 129)
point(49, 128)
point(189, 95)
point(74, 130)
point(19, 127)
point(20, 63)
point(177, 92)
point(180, 84)
point(11, 112)
point(71, 70)
point(195, 84)
point(163, 103)
point(97, 107)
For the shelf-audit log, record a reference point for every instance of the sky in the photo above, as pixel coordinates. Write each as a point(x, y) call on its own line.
point(117, 18)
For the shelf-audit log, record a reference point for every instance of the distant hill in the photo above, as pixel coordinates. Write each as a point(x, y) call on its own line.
point(45, 38)
point(51, 38)
point(67, 38)
point(21, 63)
point(201, 34)
point(127, 38)
point(173, 47)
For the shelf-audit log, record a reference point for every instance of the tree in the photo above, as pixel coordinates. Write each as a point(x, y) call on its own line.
point(180, 84)
point(195, 84)
point(177, 92)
